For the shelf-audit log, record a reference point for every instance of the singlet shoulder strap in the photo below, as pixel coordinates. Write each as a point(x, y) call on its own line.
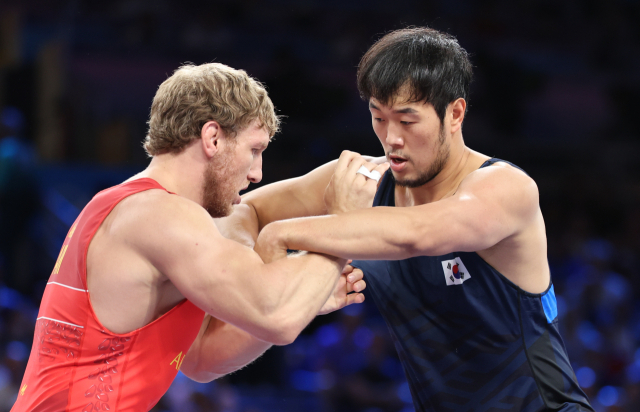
point(494, 160)
point(143, 183)
point(385, 195)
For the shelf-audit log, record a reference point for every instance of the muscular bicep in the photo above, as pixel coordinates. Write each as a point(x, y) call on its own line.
point(180, 240)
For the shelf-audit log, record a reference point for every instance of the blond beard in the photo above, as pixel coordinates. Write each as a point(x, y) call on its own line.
point(218, 191)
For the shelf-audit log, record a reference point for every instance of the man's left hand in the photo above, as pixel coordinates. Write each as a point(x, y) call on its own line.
point(349, 190)
point(346, 292)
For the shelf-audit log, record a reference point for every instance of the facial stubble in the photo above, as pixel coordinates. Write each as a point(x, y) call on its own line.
point(434, 169)
point(218, 191)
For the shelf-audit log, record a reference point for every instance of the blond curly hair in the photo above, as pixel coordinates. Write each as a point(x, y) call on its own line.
point(194, 95)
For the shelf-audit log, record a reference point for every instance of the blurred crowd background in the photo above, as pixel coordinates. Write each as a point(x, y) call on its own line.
point(556, 91)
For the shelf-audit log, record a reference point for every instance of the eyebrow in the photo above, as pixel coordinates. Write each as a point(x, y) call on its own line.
point(407, 110)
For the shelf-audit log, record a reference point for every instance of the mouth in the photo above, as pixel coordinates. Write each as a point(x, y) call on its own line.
point(238, 199)
point(397, 162)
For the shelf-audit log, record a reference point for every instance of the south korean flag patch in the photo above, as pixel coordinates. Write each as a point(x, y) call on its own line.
point(454, 271)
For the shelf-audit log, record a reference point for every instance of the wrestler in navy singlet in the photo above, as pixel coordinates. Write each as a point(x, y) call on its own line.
point(468, 338)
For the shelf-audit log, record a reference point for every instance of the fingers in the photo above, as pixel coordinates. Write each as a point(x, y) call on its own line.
point(349, 163)
point(359, 286)
point(345, 159)
point(354, 275)
point(376, 169)
point(352, 169)
point(372, 171)
point(382, 168)
point(354, 298)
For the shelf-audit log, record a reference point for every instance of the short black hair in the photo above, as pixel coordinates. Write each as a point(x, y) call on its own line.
point(431, 64)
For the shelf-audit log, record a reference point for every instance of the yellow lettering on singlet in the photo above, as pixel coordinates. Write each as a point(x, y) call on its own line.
point(73, 228)
point(181, 360)
point(178, 360)
point(24, 388)
point(56, 268)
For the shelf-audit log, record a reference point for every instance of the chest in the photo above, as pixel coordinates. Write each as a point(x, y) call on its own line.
point(456, 283)
point(126, 292)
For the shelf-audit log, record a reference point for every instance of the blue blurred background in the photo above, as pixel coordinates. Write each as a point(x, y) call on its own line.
point(556, 91)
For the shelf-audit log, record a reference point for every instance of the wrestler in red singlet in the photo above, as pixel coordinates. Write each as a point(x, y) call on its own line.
point(76, 364)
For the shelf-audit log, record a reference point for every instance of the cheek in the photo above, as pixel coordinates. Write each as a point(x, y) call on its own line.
point(378, 127)
point(245, 166)
point(427, 140)
point(380, 133)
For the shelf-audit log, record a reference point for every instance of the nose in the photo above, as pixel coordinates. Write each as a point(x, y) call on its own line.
point(394, 136)
point(255, 173)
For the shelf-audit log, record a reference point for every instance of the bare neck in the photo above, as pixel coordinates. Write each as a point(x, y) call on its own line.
point(180, 173)
point(461, 162)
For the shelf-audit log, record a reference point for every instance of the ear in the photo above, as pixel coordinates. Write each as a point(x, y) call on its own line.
point(458, 108)
point(210, 136)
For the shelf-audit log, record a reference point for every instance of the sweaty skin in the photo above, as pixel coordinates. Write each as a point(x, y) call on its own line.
point(155, 249)
point(493, 211)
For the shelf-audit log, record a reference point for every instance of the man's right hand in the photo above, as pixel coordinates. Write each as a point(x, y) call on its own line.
point(349, 190)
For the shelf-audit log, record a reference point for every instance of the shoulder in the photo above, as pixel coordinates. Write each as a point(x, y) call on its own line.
point(499, 172)
point(155, 216)
point(504, 185)
point(158, 204)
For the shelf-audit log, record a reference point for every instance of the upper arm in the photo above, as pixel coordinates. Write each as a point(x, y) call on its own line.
point(228, 280)
point(490, 205)
point(208, 269)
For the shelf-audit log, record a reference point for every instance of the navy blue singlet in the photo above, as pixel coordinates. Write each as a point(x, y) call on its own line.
point(467, 337)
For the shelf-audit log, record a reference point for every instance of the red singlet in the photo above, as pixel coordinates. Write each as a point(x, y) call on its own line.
point(76, 364)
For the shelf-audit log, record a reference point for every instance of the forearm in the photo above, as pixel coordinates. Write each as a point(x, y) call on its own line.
point(374, 234)
point(297, 197)
point(221, 349)
point(294, 290)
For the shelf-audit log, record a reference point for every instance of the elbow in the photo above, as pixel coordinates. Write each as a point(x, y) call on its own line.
point(284, 339)
point(205, 377)
point(281, 332)
point(417, 241)
point(203, 372)
point(201, 375)
point(425, 246)
point(284, 336)
point(411, 237)
point(425, 241)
